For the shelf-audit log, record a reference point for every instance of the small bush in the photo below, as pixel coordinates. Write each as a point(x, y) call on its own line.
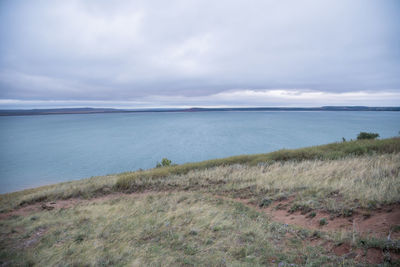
point(365, 135)
point(323, 221)
point(164, 163)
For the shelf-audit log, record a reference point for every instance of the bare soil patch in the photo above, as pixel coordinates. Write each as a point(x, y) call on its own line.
point(377, 223)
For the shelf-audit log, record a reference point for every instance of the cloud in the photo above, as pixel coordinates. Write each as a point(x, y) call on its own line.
point(133, 50)
point(234, 98)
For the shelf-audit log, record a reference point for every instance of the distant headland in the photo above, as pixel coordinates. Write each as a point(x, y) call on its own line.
point(87, 110)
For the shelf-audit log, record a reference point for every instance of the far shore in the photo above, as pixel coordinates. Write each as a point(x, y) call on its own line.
point(88, 110)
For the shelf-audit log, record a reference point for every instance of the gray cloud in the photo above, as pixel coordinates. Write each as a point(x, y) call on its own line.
point(186, 51)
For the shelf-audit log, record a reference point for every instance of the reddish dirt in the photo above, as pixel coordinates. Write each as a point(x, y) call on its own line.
point(377, 224)
point(342, 249)
point(63, 204)
point(28, 210)
point(369, 256)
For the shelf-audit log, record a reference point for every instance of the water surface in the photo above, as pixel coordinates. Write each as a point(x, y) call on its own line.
point(39, 150)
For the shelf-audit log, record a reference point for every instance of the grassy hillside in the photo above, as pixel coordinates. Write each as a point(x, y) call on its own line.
point(287, 208)
point(160, 229)
point(127, 182)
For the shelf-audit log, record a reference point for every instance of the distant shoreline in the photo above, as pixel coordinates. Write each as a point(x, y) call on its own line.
point(58, 111)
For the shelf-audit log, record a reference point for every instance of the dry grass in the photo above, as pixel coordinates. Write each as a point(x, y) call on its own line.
point(325, 152)
point(85, 188)
point(371, 178)
point(355, 180)
point(158, 229)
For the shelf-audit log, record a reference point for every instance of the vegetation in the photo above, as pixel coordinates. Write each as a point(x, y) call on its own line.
point(164, 163)
point(364, 135)
point(359, 181)
point(197, 213)
point(323, 221)
point(324, 152)
point(153, 229)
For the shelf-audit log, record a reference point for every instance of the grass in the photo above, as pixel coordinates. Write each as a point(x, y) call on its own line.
point(335, 185)
point(85, 188)
point(324, 152)
point(157, 229)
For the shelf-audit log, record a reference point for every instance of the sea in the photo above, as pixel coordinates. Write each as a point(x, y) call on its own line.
point(46, 149)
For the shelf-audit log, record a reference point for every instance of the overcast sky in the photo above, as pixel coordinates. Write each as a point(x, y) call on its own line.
point(199, 53)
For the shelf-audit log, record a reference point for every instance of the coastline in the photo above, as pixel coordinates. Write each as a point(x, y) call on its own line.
point(28, 112)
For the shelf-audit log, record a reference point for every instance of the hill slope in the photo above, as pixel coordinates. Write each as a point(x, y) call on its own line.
point(336, 204)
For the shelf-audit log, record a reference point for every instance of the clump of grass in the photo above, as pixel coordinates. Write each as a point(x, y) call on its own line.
point(265, 202)
point(304, 208)
point(312, 214)
point(323, 221)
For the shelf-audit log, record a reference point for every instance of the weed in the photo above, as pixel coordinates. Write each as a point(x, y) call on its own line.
point(34, 218)
point(323, 221)
point(312, 214)
point(304, 208)
point(265, 202)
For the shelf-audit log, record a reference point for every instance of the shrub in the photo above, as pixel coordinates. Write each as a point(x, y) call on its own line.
point(164, 163)
point(365, 135)
point(323, 221)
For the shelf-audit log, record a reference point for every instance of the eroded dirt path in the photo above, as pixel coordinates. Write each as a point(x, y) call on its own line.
point(376, 223)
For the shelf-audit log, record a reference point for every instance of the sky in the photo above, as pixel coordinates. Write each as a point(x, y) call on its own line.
point(186, 53)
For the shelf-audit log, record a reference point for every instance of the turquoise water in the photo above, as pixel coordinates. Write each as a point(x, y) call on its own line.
point(39, 150)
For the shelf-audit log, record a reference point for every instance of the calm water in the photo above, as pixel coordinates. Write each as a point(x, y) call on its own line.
point(39, 150)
